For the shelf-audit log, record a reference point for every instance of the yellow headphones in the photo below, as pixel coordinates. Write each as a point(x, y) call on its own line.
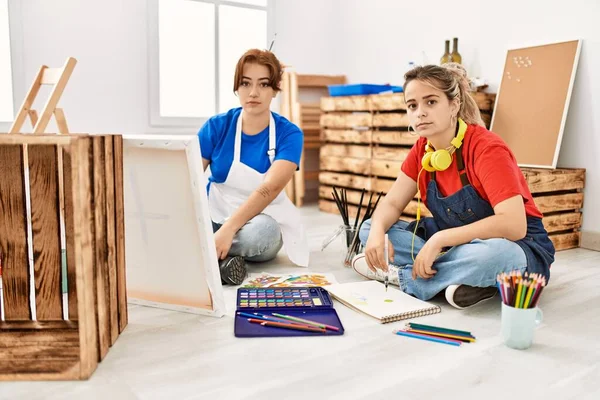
point(436, 160)
point(440, 160)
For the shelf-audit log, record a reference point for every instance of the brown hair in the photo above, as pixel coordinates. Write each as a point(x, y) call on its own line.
point(450, 78)
point(260, 57)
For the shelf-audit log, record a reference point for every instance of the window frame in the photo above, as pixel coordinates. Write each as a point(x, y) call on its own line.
point(156, 120)
point(15, 32)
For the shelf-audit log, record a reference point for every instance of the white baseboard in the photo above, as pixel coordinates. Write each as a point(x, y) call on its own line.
point(590, 240)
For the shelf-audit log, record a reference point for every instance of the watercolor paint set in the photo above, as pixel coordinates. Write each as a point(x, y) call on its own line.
point(269, 312)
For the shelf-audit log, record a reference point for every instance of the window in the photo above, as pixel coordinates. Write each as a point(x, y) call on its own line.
point(195, 46)
point(6, 87)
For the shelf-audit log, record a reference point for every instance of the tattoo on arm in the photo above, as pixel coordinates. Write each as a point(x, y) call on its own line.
point(264, 191)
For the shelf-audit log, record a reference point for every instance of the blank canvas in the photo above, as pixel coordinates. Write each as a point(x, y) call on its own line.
point(170, 250)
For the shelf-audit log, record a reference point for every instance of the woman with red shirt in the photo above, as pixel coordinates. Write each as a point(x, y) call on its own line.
point(484, 220)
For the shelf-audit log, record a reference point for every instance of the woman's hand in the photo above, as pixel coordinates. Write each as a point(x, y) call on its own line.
point(374, 251)
point(223, 239)
point(423, 265)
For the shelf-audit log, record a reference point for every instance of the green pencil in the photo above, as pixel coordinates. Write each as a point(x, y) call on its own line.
point(438, 329)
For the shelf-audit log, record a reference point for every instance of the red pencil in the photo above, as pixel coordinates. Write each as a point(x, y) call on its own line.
point(286, 326)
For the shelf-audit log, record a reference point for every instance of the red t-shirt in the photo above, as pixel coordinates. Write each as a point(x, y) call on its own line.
point(491, 168)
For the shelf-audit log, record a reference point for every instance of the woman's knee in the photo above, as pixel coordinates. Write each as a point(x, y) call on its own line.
point(261, 232)
point(502, 251)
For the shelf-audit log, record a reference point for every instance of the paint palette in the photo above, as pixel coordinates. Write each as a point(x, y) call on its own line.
point(310, 303)
point(283, 298)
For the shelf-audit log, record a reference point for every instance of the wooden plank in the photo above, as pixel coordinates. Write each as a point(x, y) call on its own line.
point(390, 153)
point(43, 183)
point(382, 184)
point(13, 234)
point(55, 94)
point(57, 344)
point(391, 120)
point(311, 175)
point(345, 164)
point(562, 222)
point(485, 101)
point(70, 236)
point(347, 136)
point(100, 246)
point(345, 180)
point(395, 137)
point(120, 231)
point(345, 150)
point(547, 180)
point(559, 202)
point(80, 152)
point(27, 103)
point(40, 370)
point(386, 168)
point(43, 326)
point(388, 102)
point(487, 119)
point(63, 140)
point(564, 241)
point(111, 237)
point(320, 80)
point(346, 120)
point(346, 103)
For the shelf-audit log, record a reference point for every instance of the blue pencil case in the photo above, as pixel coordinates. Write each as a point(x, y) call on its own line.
point(308, 303)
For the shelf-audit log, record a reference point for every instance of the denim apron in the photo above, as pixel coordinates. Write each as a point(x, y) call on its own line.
point(466, 206)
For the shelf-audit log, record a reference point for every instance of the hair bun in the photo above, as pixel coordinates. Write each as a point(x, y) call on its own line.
point(456, 68)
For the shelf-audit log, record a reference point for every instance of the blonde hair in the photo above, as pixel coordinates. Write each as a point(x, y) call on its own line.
point(450, 78)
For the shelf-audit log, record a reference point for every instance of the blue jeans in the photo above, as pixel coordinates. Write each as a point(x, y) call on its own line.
point(475, 264)
point(258, 240)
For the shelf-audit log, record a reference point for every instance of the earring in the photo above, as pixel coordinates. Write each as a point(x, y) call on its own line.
point(412, 132)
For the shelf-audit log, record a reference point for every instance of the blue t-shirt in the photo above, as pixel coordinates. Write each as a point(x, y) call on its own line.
point(217, 139)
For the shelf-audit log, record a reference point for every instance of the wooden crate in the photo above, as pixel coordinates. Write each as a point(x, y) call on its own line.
point(365, 140)
point(36, 341)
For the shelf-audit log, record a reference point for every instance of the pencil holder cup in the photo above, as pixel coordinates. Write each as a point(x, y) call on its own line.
point(350, 243)
point(518, 326)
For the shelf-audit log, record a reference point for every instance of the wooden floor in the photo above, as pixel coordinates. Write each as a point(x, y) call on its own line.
point(170, 355)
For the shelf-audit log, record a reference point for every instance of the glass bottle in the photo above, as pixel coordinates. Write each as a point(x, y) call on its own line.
point(456, 57)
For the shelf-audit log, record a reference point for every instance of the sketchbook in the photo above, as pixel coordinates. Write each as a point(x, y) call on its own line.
point(370, 297)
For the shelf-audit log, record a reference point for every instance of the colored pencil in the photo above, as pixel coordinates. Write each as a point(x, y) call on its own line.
point(306, 321)
point(428, 338)
point(274, 324)
point(439, 329)
point(267, 318)
point(522, 290)
point(467, 339)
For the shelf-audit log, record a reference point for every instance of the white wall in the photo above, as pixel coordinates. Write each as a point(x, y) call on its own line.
point(368, 40)
point(373, 41)
point(108, 91)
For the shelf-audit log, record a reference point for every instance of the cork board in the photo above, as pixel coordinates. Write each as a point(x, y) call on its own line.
point(533, 100)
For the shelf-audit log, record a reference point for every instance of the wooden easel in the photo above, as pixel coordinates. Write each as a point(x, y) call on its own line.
point(46, 76)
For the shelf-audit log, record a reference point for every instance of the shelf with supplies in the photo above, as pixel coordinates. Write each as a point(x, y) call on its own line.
point(300, 103)
point(365, 139)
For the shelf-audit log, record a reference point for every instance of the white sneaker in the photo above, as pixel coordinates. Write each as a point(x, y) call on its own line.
point(359, 263)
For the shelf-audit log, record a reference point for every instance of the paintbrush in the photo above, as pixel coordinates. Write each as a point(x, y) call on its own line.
point(386, 255)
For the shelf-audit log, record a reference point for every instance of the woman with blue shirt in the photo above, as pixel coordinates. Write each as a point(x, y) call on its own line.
point(253, 154)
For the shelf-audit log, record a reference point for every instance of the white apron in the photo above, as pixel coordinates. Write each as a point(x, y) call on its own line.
point(225, 198)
